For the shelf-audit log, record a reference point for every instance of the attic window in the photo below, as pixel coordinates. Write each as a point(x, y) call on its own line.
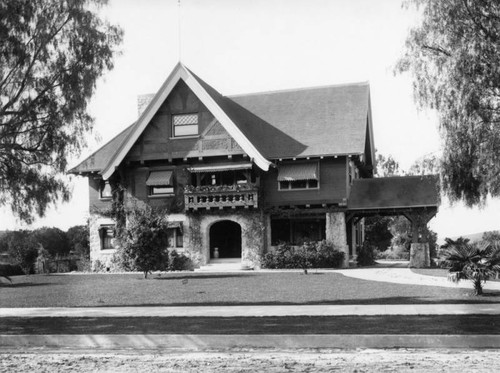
point(185, 125)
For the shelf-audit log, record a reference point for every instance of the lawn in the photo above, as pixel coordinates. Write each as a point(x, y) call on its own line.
point(195, 289)
point(383, 324)
point(437, 272)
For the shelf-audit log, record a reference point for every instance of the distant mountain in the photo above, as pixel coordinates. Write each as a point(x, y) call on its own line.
point(474, 237)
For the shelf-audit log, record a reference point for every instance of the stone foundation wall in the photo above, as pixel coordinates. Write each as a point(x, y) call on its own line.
point(96, 254)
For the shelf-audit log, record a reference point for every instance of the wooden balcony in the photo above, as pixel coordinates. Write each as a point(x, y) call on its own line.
point(220, 197)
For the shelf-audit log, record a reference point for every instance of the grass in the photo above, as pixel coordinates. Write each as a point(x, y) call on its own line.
point(437, 272)
point(195, 289)
point(386, 324)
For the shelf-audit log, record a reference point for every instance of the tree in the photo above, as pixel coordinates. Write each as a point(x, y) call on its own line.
point(491, 237)
point(469, 262)
point(78, 239)
point(53, 240)
point(143, 244)
point(51, 55)
point(387, 166)
point(23, 250)
point(453, 57)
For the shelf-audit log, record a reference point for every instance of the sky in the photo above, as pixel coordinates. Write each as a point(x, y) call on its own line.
point(241, 46)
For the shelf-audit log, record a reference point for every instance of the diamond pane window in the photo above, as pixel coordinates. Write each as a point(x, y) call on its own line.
point(185, 125)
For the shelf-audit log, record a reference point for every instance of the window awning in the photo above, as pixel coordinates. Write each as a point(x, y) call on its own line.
point(298, 171)
point(175, 224)
point(220, 167)
point(159, 178)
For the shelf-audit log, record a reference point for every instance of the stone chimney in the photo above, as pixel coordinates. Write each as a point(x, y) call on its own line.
point(143, 102)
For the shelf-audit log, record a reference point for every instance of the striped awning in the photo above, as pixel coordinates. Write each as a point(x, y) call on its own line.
point(298, 171)
point(220, 167)
point(159, 178)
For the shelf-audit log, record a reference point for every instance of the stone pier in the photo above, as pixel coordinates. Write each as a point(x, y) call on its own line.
point(336, 233)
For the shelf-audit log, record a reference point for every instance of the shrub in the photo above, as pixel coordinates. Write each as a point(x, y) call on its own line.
point(179, 262)
point(366, 255)
point(310, 255)
point(471, 262)
point(10, 270)
point(143, 244)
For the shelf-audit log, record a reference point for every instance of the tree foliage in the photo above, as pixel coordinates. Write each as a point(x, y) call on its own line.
point(23, 250)
point(143, 244)
point(53, 240)
point(387, 166)
point(79, 240)
point(453, 56)
point(51, 55)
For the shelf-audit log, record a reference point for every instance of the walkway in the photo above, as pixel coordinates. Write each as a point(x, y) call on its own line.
point(395, 272)
point(257, 311)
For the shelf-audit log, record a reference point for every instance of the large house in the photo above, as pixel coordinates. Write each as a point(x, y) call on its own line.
point(240, 174)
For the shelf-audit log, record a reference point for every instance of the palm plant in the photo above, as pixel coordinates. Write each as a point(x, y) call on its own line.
point(476, 263)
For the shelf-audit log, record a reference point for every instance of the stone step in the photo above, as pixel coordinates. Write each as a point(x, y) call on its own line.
point(222, 265)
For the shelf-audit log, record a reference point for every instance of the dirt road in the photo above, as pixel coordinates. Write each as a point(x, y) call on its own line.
point(399, 360)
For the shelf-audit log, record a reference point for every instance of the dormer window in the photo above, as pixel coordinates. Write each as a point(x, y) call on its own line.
point(105, 190)
point(160, 184)
point(184, 125)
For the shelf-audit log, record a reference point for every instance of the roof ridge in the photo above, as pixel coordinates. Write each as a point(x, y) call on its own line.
point(354, 84)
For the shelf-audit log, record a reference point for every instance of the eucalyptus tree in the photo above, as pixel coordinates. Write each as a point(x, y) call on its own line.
point(52, 53)
point(453, 56)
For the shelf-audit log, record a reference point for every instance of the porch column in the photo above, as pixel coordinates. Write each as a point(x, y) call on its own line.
point(267, 222)
point(337, 234)
point(419, 251)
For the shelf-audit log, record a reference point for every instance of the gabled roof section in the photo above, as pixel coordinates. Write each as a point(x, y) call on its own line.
point(397, 192)
point(207, 95)
point(100, 158)
point(330, 120)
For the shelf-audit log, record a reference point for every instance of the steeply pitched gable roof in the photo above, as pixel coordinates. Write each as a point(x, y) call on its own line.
point(100, 158)
point(331, 120)
point(324, 120)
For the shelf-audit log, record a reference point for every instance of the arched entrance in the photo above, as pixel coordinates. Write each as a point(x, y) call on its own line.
point(226, 236)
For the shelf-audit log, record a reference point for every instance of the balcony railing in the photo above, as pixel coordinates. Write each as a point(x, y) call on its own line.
point(209, 197)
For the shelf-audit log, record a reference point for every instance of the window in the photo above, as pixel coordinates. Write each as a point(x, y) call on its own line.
point(298, 184)
point(297, 231)
point(106, 234)
point(105, 190)
point(160, 183)
point(175, 237)
point(298, 176)
point(185, 125)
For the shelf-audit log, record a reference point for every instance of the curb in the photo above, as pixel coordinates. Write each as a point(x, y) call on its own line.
point(198, 342)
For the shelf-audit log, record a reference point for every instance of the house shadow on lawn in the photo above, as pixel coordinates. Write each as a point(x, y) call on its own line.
point(23, 284)
point(204, 276)
point(340, 302)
